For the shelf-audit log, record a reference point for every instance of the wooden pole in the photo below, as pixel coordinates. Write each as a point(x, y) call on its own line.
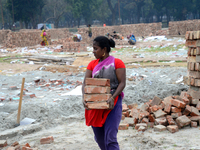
point(20, 102)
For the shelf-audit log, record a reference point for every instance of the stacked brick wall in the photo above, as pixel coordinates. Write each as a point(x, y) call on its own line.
point(180, 27)
point(4, 35)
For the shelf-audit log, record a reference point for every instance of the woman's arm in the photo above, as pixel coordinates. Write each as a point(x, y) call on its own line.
point(88, 74)
point(121, 76)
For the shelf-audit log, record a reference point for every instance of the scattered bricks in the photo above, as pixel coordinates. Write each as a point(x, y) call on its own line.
point(177, 103)
point(32, 95)
point(186, 100)
point(194, 92)
point(142, 128)
point(167, 100)
point(161, 121)
point(96, 90)
point(195, 118)
point(176, 115)
point(144, 107)
point(129, 121)
point(96, 97)
point(143, 114)
point(193, 124)
point(13, 88)
point(150, 124)
point(47, 140)
point(175, 110)
point(172, 128)
point(198, 106)
point(2, 98)
point(10, 148)
point(167, 108)
point(151, 118)
point(139, 125)
point(170, 120)
point(159, 128)
point(123, 126)
point(194, 112)
point(3, 143)
point(15, 144)
point(156, 101)
point(124, 107)
point(145, 120)
point(125, 113)
point(159, 113)
point(134, 105)
point(100, 105)
point(123, 117)
point(187, 110)
point(154, 108)
point(97, 81)
point(183, 121)
point(195, 101)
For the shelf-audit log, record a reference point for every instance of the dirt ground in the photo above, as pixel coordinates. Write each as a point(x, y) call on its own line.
point(62, 116)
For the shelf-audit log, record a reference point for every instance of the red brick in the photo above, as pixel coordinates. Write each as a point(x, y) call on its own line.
point(144, 107)
point(132, 106)
point(140, 124)
point(145, 120)
point(3, 143)
point(176, 115)
point(96, 97)
point(175, 109)
point(194, 101)
point(15, 144)
point(178, 103)
point(192, 43)
point(167, 100)
point(123, 126)
point(194, 111)
point(10, 148)
point(167, 108)
point(151, 118)
point(170, 120)
point(156, 101)
point(13, 88)
point(97, 81)
point(161, 121)
point(162, 104)
point(186, 100)
point(143, 114)
point(194, 124)
point(159, 128)
point(172, 128)
point(26, 148)
point(134, 113)
point(47, 140)
point(150, 124)
point(187, 110)
point(125, 113)
point(97, 90)
point(195, 118)
point(159, 113)
point(124, 107)
point(183, 121)
point(135, 121)
point(198, 106)
point(99, 105)
point(197, 82)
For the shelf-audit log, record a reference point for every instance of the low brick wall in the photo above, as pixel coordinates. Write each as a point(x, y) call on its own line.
point(3, 35)
point(180, 27)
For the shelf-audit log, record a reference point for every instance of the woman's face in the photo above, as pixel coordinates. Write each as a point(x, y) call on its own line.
point(97, 51)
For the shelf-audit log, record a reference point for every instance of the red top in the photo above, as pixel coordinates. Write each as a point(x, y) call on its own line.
point(97, 117)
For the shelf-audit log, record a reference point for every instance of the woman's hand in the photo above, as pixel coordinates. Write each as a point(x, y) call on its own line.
point(110, 101)
point(85, 105)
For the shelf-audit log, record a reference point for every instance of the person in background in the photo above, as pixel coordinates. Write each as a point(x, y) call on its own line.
point(131, 39)
point(77, 38)
point(44, 38)
point(105, 123)
point(89, 31)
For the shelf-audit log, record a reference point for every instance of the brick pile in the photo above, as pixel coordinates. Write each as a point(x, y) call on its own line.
point(97, 92)
point(4, 35)
point(61, 33)
point(73, 47)
point(193, 63)
point(161, 32)
point(124, 30)
point(181, 27)
point(172, 113)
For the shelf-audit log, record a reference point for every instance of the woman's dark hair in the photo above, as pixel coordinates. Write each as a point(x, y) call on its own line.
point(103, 41)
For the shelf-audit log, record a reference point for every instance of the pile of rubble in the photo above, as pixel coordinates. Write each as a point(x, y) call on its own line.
point(181, 27)
point(17, 146)
point(172, 113)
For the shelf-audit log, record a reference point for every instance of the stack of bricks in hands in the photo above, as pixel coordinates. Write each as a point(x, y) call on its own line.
point(193, 65)
point(172, 113)
point(97, 92)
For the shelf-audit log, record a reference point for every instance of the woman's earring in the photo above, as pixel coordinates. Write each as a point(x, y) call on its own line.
point(103, 54)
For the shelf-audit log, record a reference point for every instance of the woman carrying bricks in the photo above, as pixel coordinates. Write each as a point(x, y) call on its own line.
point(44, 38)
point(105, 122)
